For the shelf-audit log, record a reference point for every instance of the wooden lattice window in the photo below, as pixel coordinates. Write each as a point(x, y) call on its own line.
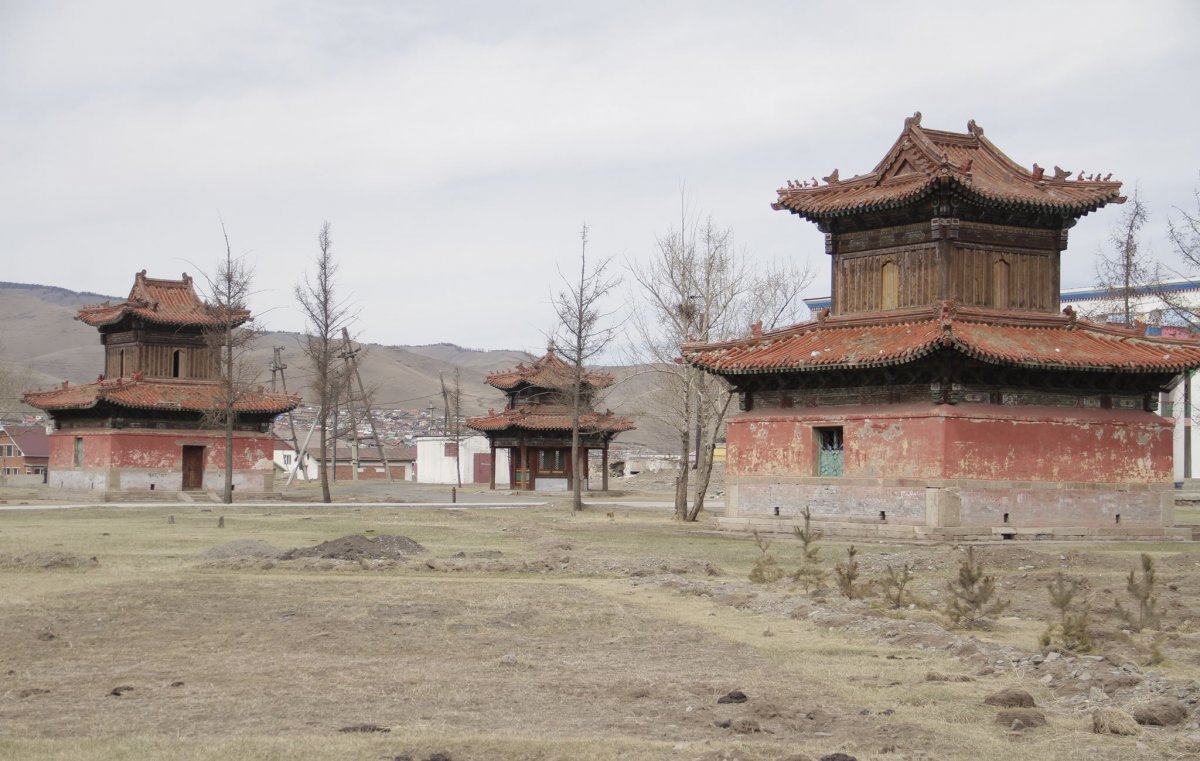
point(552, 461)
point(830, 451)
point(890, 285)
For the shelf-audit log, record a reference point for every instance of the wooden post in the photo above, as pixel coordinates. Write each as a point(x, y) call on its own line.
point(525, 470)
point(492, 480)
point(604, 467)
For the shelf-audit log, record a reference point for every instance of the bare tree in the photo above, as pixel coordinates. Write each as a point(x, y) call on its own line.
point(584, 331)
point(1184, 230)
point(326, 312)
point(698, 288)
point(228, 294)
point(1125, 268)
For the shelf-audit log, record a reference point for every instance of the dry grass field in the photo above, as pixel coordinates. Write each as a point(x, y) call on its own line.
point(538, 634)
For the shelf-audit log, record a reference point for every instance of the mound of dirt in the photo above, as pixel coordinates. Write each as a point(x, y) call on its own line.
point(359, 547)
point(47, 560)
point(243, 548)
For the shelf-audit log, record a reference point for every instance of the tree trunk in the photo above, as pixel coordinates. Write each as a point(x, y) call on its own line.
point(230, 404)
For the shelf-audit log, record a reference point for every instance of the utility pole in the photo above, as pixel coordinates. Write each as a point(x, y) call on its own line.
point(351, 360)
point(278, 366)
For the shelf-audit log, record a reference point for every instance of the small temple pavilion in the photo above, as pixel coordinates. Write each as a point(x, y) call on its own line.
point(535, 425)
point(943, 393)
point(142, 425)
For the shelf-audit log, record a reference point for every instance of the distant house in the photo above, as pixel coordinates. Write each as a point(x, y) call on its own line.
point(24, 450)
point(437, 463)
point(401, 461)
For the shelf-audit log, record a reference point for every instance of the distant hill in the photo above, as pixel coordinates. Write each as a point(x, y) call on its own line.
point(38, 331)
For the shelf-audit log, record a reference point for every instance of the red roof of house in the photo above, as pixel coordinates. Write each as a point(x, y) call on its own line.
point(165, 302)
point(1022, 339)
point(549, 371)
point(158, 394)
point(923, 160)
point(32, 440)
point(545, 418)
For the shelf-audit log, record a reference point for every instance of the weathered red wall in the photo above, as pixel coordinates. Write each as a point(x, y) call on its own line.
point(984, 442)
point(155, 449)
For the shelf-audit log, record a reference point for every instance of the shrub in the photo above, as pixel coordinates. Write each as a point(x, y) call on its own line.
point(1142, 591)
point(1071, 629)
point(895, 586)
point(809, 574)
point(970, 603)
point(765, 569)
point(847, 576)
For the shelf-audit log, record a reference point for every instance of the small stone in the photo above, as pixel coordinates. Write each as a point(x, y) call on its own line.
point(1029, 717)
point(1047, 679)
point(734, 696)
point(509, 659)
point(1097, 695)
point(119, 691)
point(1017, 725)
point(1051, 657)
point(838, 757)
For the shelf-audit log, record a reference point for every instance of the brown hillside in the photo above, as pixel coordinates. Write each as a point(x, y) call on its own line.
point(42, 334)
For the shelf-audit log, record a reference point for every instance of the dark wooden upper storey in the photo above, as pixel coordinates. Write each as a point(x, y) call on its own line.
point(947, 215)
point(159, 331)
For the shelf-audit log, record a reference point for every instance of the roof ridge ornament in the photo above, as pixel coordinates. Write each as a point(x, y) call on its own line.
point(832, 179)
point(1072, 317)
point(974, 129)
point(913, 121)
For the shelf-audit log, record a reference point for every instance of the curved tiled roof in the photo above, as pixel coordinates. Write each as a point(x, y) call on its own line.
point(898, 337)
point(539, 418)
point(164, 302)
point(167, 395)
point(547, 372)
point(924, 160)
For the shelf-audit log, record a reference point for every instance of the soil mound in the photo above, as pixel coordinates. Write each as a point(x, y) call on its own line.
point(243, 548)
point(46, 560)
point(359, 547)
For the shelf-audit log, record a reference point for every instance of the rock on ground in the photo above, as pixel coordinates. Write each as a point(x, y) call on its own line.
point(1030, 717)
point(1160, 712)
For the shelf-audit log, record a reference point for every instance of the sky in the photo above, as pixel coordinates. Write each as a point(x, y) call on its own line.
point(457, 148)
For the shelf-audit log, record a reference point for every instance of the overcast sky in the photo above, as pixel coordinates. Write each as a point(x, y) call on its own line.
point(456, 147)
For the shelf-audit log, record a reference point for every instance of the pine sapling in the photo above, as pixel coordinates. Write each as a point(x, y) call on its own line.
point(808, 537)
point(847, 576)
point(809, 574)
point(1142, 591)
point(1071, 628)
point(896, 590)
point(765, 569)
point(970, 603)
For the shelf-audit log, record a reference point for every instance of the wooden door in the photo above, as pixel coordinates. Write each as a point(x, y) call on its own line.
point(193, 468)
point(483, 468)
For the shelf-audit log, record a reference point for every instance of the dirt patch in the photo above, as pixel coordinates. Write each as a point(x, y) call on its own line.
point(359, 547)
point(47, 560)
point(243, 548)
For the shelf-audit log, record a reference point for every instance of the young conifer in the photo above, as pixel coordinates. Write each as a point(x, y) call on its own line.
point(971, 595)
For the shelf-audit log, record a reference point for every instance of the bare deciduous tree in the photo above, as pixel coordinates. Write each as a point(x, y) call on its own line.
point(1126, 267)
point(583, 332)
point(697, 288)
point(326, 312)
point(228, 294)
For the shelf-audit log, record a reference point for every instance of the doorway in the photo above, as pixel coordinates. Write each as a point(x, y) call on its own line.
point(193, 468)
